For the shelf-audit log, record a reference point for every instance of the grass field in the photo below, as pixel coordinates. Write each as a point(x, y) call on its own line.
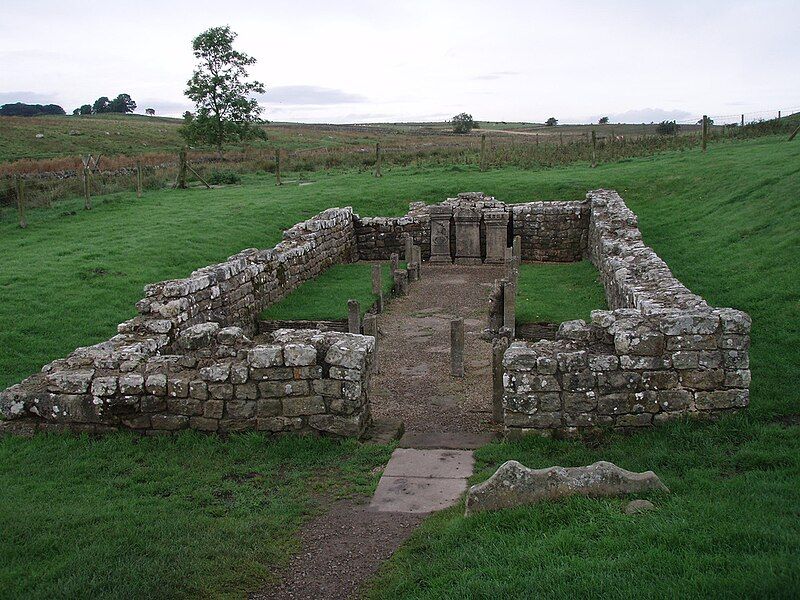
point(326, 296)
point(727, 224)
point(556, 292)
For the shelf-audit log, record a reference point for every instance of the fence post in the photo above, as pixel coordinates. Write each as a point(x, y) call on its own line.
point(182, 169)
point(353, 316)
point(594, 148)
point(378, 160)
point(483, 152)
point(794, 133)
point(377, 288)
point(457, 347)
point(705, 131)
point(742, 120)
point(278, 166)
point(138, 179)
point(87, 193)
point(19, 184)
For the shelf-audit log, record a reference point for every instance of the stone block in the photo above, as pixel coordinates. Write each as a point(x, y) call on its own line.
point(198, 389)
point(240, 409)
point(245, 391)
point(212, 409)
point(296, 406)
point(538, 420)
point(70, 382)
point(156, 384)
point(169, 422)
point(721, 399)
point(641, 341)
point(299, 355)
point(185, 406)
point(220, 391)
point(262, 357)
point(131, 384)
point(203, 424)
point(327, 387)
point(277, 389)
point(268, 407)
point(706, 379)
point(104, 386)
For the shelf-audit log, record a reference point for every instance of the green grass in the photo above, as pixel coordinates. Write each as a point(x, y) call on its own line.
point(556, 292)
point(326, 296)
point(727, 223)
point(188, 517)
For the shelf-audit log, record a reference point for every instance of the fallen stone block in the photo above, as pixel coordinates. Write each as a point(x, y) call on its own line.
point(513, 484)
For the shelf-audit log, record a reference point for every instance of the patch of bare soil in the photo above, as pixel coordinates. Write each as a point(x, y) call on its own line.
point(341, 550)
point(414, 384)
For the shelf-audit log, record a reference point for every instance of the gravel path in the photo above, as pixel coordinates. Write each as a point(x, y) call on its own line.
point(414, 384)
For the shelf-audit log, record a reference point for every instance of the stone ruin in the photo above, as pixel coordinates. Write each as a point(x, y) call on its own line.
point(194, 356)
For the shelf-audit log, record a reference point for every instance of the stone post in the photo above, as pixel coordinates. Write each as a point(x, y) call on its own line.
point(518, 249)
point(353, 316)
point(457, 347)
point(509, 306)
point(409, 245)
point(401, 281)
point(377, 287)
point(496, 221)
point(371, 328)
point(440, 234)
point(416, 254)
point(499, 347)
point(395, 258)
point(496, 307)
point(468, 236)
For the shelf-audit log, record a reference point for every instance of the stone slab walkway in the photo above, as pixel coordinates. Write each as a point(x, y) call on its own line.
point(422, 481)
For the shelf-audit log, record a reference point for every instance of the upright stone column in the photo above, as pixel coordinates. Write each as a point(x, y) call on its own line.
point(468, 236)
point(496, 235)
point(440, 234)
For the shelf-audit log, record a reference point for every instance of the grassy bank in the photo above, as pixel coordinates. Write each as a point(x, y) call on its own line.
point(554, 292)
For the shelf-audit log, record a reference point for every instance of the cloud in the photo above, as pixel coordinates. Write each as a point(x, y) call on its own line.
point(495, 75)
point(27, 97)
point(647, 115)
point(305, 95)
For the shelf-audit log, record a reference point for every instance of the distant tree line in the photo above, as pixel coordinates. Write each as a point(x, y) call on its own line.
point(20, 109)
point(121, 104)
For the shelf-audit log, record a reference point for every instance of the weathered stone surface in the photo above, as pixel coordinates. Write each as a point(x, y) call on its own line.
point(635, 507)
point(197, 336)
point(513, 484)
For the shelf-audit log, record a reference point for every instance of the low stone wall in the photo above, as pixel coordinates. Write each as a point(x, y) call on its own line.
point(378, 238)
point(215, 379)
point(552, 231)
point(660, 354)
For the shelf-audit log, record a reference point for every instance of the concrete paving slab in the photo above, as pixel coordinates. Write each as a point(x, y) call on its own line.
point(453, 441)
point(447, 464)
point(417, 494)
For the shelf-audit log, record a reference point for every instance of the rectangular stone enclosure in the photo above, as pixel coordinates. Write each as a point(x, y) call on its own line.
point(193, 356)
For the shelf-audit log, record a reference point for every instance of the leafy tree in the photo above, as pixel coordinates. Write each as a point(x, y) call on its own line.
point(463, 123)
point(603, 121)
point(86, 109)
point(667, 128)
point(122, 104)
point(101, 105)
point(551, 122)
point(21, 109)
point(150, 111)
point(220, 89)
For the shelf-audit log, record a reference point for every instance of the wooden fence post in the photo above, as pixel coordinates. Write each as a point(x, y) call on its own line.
point(594, 148)
point(138, 179)
point(794, 133)
point(87, 192)
point(378, 160)
point(19, 184)
point(483, 152)
point(182, 169)
point(705, 131)
point(742, 120)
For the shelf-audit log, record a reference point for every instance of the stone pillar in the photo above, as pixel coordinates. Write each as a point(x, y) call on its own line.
point(395, 260)
point(416, 255)
point(440, 234)
point(353, 316)
point(371, 328)
point(468, 236)
point(496, 235)
point(377, 287)
point(457, 347)
point(409, 245)
point(518, 249)
point(401, 281)
point(499, 347)
point(496, 307)
point(509, 306)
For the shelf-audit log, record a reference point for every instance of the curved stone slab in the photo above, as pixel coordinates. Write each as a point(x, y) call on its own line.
point(514, 484)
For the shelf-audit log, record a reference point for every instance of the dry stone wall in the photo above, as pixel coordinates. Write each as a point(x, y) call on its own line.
point(661, 353)
point(379, 237)
point(552, 231)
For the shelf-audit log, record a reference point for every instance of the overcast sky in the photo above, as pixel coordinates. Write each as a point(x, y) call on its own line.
point(360, 61)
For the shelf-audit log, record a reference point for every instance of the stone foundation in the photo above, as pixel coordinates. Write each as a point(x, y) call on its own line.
point(661, 353)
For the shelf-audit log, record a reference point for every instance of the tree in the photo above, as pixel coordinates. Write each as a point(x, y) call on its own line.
point(710, 121)
point(551, 122)
point(20, 109)
point(150, 111)
point(86, 109)
point(667, 128)
point(221, 92)
point(101, 105)
point(122, 104)
point(463, 123)
point(603, 121)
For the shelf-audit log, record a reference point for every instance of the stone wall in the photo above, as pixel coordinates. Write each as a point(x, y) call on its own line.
point(214, 379)
point(379, 237)
point(661, 353)
point(552, 231)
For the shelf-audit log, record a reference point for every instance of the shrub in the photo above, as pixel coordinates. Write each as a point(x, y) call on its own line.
point(463, 123)
point(221, 176)
point(603, 121)
point(668, 128)
point(551, 122)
